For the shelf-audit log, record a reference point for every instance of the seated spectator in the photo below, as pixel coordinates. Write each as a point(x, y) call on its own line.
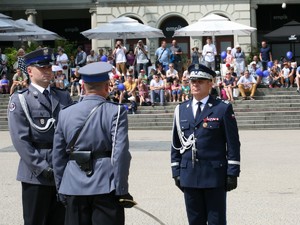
point(274, 78)
point(171, 74)
point(247, 83)
point(293, 68)
point(160, 71)
point(130, 71)
point(75, 78)
point(19, 81)
point(185, 89)
point(143, 93)
point(185, 75)
point(157, 89)
point(286, 75)
point(130, 88)
point(168, 91)
point(257, 62)
point(252, 70)
point(142, 77)
point(133, 106)
point(151, 74)
point(228, 84)
point(176, 90)
point(4, 85)
point(60, 79)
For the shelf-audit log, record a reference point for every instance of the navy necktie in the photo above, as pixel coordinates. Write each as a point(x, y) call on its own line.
point(46, 94)
point(198, 112)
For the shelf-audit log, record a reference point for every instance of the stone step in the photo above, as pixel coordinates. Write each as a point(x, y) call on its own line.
point(241, 127)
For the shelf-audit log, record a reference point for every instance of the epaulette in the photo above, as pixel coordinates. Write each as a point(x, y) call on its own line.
point(73, 103)
point(22, 91)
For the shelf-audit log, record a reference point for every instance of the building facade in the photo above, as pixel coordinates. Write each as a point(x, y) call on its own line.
point(70, 17)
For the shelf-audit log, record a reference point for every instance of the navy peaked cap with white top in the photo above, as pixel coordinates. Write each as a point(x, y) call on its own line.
point(40, 57)
point(95, 72)
point(199, 71)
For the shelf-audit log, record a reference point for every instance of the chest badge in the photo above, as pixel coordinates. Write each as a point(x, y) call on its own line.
point(42, 121)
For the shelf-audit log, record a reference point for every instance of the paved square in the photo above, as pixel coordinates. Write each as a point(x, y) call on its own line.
point(268, 191)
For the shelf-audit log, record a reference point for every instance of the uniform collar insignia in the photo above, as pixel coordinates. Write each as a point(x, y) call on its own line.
point(210, 105)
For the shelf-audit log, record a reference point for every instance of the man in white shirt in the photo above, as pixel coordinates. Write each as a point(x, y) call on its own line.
point(209, 52)
point(247, 83)
point(142, 60)
point(120, 57)
point(157, 88)
point(92, 57)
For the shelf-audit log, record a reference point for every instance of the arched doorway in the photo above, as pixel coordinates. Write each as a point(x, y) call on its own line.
point(168, 26)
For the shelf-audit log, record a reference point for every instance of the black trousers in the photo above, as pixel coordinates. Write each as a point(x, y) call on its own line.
point(94, 210)
point(40, 205)
point(205, 206)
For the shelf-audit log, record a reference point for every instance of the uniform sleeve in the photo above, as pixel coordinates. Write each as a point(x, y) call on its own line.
point(175, 154)
point(60, 157)
point(20, 132)
point(121, 156)
point(233, 142)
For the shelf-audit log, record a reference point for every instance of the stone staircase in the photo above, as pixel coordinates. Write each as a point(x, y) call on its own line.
point(273, 109)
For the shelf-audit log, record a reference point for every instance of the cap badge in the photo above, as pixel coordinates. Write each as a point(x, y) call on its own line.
point(46, 51)
point(197, 66)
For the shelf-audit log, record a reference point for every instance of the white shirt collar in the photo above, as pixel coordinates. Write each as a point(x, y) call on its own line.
point(40, 89)
point(204, 101)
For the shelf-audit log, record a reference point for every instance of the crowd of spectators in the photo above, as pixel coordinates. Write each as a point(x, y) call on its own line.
point(134, 79)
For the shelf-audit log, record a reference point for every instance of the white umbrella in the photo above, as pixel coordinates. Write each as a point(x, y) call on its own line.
point(123, 28)
point(7, 24)
point(214, 25)
point(31, 32)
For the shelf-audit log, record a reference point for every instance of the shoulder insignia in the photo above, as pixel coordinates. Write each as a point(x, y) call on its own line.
point(12, 106)
point(225, 101)
point(73, 103)
point(22, 90)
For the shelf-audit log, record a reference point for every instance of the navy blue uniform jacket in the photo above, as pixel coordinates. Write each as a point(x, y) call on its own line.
point(217, 144)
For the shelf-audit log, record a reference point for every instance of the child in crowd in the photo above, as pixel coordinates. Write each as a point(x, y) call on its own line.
point(186, 90)
point(142, 77)
point(274, 78)
point(285, 75)
point(176, 90)
point(4, 85)
point(168, 91)
point(143, 93)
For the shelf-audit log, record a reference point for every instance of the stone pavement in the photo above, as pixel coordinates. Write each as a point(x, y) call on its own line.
point(268, 192)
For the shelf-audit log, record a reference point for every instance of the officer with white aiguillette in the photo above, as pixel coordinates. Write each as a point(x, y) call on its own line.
point(32, 118)
point(91, 157)
point(205, 152)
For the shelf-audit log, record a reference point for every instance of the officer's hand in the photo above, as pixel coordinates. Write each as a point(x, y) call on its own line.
point(126, 201)
point(48, 174)
point(177, 183)
point(63, 199)
point(231, 183)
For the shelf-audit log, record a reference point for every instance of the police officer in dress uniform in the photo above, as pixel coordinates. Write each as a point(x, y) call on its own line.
point(32, 118)
point(91, 159)
point(205, 152)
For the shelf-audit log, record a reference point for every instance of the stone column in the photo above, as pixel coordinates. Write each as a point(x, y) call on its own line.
point(93, 12)
point(253, 24)
point(31, 15)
